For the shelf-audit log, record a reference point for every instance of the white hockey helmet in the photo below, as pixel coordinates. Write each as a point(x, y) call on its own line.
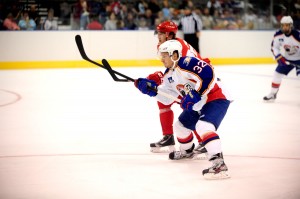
point(286, 20)
point(170, 47)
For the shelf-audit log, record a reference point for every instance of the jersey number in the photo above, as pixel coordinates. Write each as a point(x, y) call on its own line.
point(200, 65)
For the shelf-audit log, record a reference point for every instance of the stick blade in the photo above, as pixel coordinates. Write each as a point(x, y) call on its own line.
point(80, 47)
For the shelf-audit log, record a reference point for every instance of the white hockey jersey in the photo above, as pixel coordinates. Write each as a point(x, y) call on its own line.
point(192, 73)
point(286, 45)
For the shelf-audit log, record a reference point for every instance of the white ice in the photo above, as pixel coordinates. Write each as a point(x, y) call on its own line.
point(77, 134)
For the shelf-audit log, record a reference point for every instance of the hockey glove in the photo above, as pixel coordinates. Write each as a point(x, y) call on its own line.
point(189, 100)
point(281, 60)
point(157, 77)
point(146, 86)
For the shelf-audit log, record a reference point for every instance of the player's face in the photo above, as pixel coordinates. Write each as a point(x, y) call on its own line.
point(161, 37)
point(166, 60)
point(286, 28)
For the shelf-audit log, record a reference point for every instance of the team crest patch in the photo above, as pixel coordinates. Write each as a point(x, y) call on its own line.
point(170, 80)
point(184, 89)
point(187, 60)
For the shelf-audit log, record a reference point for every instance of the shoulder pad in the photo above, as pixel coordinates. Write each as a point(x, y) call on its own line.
point(296, 34)
point(279, 32)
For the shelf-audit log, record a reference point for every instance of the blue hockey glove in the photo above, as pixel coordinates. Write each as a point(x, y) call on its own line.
point(190, 99)
point(146, 86)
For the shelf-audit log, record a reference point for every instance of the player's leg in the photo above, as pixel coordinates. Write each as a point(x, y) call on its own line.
point(211, 117)
point(166, 116)
point(278, 75)
point(200, 150)
point(183, 129)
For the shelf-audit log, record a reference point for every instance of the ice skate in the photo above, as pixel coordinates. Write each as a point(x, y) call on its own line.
point(218, 170)
point(200, 152)
point(165, 145)
point(270, 98)
point(182, 154)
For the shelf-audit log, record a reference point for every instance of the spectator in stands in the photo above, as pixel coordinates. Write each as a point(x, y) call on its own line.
point(129, 22)
point(65, 12)
point(80, 15)
point(111, 23)
point(116, 7)
point(154, 7)
point(33, 14)
point(250, 19)
point(141, 7)
point(27, 23)
point(50, 22)
point(123, 12)
point(213, 5)
point(143, 24)
point(267, 22)
point(175, 15)
point(9, 23)
point(94, 24)
point(77, 10)
point(120, 25)
point(207, 20)
point(149, 19)
point(166, 10)
point(84, 17)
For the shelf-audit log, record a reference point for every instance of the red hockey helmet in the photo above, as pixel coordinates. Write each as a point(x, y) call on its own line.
point(167, 27)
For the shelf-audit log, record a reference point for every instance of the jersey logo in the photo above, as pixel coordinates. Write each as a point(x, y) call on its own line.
point(281, 39)
point(187, 60)
point(170, 80)
point(184, 89)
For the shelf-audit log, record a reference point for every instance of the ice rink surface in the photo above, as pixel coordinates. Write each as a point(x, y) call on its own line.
point(77, 134)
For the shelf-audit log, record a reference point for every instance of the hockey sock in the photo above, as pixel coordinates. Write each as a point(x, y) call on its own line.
point(166, 120)
point(277, 78)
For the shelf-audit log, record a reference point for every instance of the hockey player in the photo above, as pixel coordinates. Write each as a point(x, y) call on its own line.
point(167, 31)
point(204, 103)
point(287, 41)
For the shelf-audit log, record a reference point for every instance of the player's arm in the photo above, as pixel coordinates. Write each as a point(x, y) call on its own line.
point(202, 76)
point(275, 48)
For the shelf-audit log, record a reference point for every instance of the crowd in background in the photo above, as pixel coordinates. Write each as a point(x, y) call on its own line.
point(143, 14)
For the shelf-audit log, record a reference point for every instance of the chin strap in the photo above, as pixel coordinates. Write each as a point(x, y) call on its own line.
point(174, 62)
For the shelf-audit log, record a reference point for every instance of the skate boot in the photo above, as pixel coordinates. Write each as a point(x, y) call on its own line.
point(182, 154)
point(166, 144)
point(200, 152)
point(218, 170)
point(270, 98)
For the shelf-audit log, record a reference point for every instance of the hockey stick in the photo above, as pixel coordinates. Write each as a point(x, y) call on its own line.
point(113, 72)
point(85, 57)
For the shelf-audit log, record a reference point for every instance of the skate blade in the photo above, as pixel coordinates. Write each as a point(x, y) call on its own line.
point(201, 156)
point(167, 149)
point(218, 176)
point(269, 101)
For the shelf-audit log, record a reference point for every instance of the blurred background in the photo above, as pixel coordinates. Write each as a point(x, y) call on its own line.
point(143, 14)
